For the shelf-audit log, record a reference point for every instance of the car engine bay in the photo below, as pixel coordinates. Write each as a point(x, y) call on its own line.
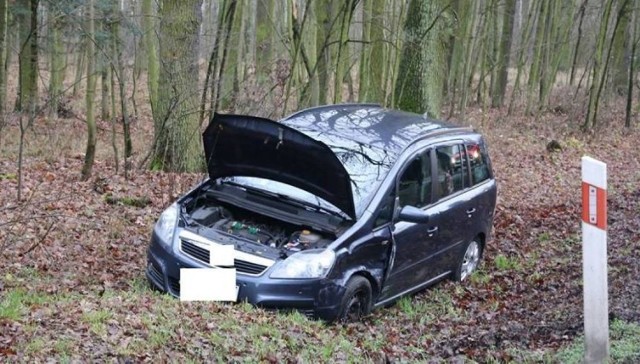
point(254, 227)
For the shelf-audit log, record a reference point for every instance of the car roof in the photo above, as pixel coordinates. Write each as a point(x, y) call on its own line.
point(366, 124)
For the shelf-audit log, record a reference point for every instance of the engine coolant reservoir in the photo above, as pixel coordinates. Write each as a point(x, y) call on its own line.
point(308, 237)
point(302, 239)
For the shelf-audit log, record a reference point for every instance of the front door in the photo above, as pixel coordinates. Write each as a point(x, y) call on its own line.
point(414, 245)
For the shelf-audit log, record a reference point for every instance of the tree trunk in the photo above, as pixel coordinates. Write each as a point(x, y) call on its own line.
point(311, 92)
point(574, 62)
point(264, 29)
point(620, 66)
point(91, 121)
point(298, 28)
point(493, 57)
point(422, 65)
point(598, 67)
point(114, 113)
point(563, 20)
point(322, 11)
point(153, 64)
point(525, 38)
point(377, 61)
point(635, 39)
point(535, 69)
point(103, 68)
point(250, 57)
point(3, 57)
point(178, 143)
point(224, 32)
point(57, 67)
point(234, 61)
point(497, 99)
point(28, 81)
point(396, 36)
point(365, 55)
point(79, 64)
point(342, 55)
point(119, 67)
point(468, 49)
point(545, 55)
point(372, 65)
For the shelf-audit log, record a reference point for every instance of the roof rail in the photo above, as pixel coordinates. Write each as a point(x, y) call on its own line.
point(331, 106)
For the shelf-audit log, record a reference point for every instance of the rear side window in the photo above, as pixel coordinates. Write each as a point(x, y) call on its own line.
point(452, 169)
point(477, 163)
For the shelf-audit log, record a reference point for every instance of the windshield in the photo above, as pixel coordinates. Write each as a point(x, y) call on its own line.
point(367, 166)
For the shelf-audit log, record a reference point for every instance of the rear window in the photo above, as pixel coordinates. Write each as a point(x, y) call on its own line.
point(478, 163)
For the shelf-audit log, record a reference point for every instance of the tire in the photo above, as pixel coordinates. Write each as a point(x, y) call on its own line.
point(469, 260)
point(356, 302)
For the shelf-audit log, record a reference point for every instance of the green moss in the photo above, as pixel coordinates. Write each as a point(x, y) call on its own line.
point(139, 202)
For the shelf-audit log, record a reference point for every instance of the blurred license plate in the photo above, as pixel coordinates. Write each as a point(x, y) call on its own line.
point(208, 284)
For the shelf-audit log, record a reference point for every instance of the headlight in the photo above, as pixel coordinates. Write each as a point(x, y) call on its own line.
point(166, 224)
point(305, 264)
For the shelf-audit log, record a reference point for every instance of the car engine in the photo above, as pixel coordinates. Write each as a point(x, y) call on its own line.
point(257, 228)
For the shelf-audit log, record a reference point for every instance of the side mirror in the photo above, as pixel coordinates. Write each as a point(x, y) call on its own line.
point(413, 214)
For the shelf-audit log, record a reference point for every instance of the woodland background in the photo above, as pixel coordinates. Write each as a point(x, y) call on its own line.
point(102, 103)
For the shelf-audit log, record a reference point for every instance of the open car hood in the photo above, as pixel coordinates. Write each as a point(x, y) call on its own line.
point(239, 145)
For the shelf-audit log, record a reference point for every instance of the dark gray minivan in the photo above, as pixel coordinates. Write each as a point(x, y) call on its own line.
point(334, 210)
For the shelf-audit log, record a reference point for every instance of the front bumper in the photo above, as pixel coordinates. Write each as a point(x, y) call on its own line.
point(318, 298)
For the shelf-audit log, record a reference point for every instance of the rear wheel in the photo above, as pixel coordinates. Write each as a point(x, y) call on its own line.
point(469, 261)
point(356, 301)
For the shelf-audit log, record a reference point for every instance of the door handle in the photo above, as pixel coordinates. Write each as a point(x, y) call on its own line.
point(432, 231)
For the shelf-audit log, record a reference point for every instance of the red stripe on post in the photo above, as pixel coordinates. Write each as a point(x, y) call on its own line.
point(600, 206)
point(601, 200)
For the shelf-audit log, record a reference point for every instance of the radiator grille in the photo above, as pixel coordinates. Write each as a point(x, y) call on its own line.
point(203, 255)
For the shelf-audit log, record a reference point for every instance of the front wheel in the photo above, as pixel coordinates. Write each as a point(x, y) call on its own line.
point(469, 261)
point(356, 301)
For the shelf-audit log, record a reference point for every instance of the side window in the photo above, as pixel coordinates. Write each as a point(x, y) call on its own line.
point(478, 163)
point(414, 186)
point(452, 171)
point(409, 185)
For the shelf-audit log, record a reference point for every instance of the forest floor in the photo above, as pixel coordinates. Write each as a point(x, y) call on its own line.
point(72, 259)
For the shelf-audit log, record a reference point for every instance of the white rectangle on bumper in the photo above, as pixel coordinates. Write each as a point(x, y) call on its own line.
point(208, 284)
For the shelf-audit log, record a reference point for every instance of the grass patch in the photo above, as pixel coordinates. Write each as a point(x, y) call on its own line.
point(480, 277)
point(16, 301)
point(63, 346)
point(8, 176)
point(11, 306)
point(503, 262)
point(544, 237)
point(624, 341)
point(97, 320)
point(35, 346)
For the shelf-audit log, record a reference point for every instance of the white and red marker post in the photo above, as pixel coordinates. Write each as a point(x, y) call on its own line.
point(594, 260)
